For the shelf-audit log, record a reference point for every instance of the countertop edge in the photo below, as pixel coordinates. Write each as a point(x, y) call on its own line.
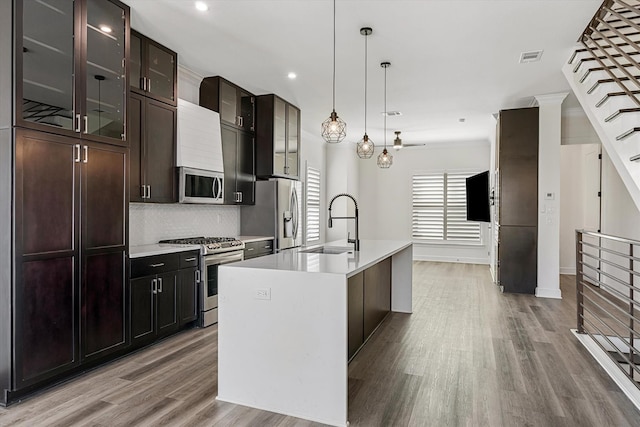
point(377, 260)
point(251, 239)
point(141, 251)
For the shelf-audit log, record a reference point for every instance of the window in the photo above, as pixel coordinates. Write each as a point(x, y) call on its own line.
point(313, 204)
point(440, 209)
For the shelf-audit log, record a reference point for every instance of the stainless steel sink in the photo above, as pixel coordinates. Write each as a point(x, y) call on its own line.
point(327, 250)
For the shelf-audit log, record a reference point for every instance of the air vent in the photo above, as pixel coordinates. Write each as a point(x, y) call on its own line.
point(533, 56)
point(392, 113)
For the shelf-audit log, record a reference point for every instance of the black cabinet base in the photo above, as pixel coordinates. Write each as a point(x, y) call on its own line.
point(9, 397)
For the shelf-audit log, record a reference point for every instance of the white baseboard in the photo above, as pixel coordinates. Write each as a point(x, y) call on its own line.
point(611, 368)
point(462, 260)
point(548, 293)
point(568, 270)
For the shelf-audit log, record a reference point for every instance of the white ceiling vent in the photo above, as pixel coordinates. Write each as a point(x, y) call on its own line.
point(392, 113)
point(533, 56)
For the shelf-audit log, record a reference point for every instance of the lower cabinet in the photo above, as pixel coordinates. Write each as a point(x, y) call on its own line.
point(166, 299)
point(368, 303)
point(258, 248)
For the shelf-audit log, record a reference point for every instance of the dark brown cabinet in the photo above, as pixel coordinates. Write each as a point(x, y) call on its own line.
point(258, 248)
point(377, 295)
point(517, 201)
point(164, 295)
point(277, 138)
point(239, 171)
point(355, 311)
point(235, 105)
point(368, 303)
point(71, 219)
point(153, 70)
point(152, 138)
point(71, 69)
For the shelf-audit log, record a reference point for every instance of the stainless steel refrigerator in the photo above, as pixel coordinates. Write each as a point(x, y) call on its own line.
point(277, 213)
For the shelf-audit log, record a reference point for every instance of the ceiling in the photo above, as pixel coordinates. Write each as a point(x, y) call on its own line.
point(450, 59)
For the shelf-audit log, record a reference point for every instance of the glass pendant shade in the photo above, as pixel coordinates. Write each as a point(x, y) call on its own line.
point(385, 160)
point(334, 129)
point(365, 147)
point(397, 143)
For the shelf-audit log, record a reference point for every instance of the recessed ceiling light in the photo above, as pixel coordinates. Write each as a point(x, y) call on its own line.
point(462, 120)
point(392, 113)
point(105, 28)
point(202, 6)
point(292, 75)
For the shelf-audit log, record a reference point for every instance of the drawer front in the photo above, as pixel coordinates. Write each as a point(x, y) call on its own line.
point(256, 249)
point(147, 266)
point(189, 259)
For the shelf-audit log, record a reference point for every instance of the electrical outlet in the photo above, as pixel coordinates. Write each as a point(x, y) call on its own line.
point(263, 294)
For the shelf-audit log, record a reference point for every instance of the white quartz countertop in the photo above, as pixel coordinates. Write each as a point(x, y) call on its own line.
point(347, 263)
point(249, 239)
point(158, 249)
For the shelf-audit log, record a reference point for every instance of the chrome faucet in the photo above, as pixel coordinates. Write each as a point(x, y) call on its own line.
point(356, 241)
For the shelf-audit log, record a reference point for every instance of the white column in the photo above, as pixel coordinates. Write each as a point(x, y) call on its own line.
point(549, 195)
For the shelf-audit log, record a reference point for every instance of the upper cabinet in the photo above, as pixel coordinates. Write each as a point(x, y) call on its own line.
point(277, 138)
point(71, 68)
point(153, 69)
point(235, 105)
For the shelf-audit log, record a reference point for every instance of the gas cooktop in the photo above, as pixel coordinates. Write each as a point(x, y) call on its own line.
point(209, 244)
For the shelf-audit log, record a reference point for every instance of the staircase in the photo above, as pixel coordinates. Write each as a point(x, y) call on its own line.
point(604, 73)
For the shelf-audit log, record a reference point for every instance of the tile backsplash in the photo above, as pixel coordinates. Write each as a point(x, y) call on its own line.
point(151, 222)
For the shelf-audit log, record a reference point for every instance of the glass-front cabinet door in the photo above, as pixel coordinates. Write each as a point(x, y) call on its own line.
point(72, 77)
point(293, 140)
point(48, 64)
point(161, 74)
point(105, 72)
point(279, 137)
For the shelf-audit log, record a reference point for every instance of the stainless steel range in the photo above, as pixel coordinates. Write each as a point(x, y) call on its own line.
point(214, 251)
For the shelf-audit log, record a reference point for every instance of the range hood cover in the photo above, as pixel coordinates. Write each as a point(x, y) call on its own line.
point(199, 138)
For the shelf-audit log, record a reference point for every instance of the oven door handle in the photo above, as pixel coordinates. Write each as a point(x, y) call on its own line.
point(224, 258)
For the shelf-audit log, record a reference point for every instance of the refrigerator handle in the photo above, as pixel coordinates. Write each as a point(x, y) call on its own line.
point(294, 211)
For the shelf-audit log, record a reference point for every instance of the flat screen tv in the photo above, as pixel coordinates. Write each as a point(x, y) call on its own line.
point(478, 202)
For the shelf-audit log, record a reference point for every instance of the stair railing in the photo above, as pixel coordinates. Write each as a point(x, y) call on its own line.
point(611, 41)
point(607, 296)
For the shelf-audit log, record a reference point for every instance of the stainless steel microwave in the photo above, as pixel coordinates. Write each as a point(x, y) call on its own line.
point(200, 186)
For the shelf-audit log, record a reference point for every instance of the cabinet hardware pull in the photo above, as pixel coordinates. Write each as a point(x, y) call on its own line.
point(189, 259)
point(148, 191)
point(143, 83)
point(160, 264)
point(197, 276)
point(86, 154)
point(143, 190)
point(86, 124)
point(154, 286)
point(241, 121)
point(267, 247)
point(78, 129)
point(159, 285)
point(77, 148)
point(149, 88)
point(249, 249)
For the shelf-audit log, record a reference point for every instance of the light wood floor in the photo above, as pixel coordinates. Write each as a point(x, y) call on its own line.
point(468, 355)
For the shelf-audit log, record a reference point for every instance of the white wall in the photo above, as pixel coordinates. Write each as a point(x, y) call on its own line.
point(342, 176)
point(385, 195)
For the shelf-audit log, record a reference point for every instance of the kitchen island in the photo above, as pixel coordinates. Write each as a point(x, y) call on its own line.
point(286, 323)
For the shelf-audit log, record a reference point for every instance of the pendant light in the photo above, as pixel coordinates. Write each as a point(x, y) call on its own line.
point(397, 143)
point(334, 129)
point(385, 160)
point(365, 146)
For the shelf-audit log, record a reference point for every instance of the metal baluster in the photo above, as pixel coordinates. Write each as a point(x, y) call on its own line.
point(579, 281)
point(631, 306)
